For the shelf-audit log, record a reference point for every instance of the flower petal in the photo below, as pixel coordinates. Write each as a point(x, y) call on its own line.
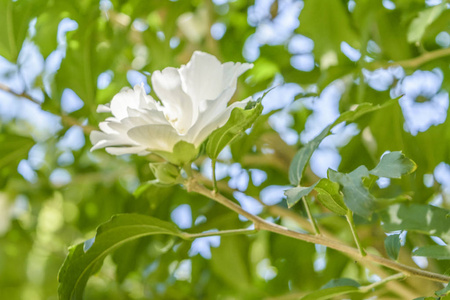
point(178, 107)
point(155, 137)
point(101, 140)
point(140, 150)
point(204, 129)
point(103, 108)
point(202, 77)
point(130, 98)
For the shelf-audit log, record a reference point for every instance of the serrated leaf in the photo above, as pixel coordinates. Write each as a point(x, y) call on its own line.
point(302, 157)
point(80, 264)
point(240, 119)
point(329, 195)
point(295, 194)
point(392, 245)
point(425, 219)
point(394, 165)
point(356, 195)
point(433, 251)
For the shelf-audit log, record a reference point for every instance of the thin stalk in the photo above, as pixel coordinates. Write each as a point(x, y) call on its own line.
point(213, 166)
point(262, 224)
point(365, 289)
point(349, 217)
point(65, 119)
point(219, 233)
point(311, 219)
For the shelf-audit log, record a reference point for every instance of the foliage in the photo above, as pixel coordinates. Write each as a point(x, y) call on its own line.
point(353, 122)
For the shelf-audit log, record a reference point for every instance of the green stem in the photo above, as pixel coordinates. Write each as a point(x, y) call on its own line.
point(367, 288)
point(412, 63)
point(350, 221)
point(213, 165)
point(311, 219)
point(219, 233)
point(262, 224)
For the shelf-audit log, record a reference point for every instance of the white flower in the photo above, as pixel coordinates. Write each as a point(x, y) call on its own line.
point(193, 104)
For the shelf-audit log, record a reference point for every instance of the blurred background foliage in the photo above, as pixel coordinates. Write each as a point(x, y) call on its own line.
point(60, 59)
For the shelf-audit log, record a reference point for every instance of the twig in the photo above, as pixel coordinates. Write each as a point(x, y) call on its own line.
point(65, 119)
point(262, 224)
point(219, 233)
point(311, 219)
point(349, 217)
point(412, 63)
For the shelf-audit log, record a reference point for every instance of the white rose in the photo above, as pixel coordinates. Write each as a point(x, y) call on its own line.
point(193, 99)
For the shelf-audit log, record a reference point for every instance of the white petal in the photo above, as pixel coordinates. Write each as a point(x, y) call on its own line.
point(121, 101)
point(231, 71)
point(102, 140)
point(155, 137)
point(126, 150)
point(103, 108)
point(202, 77)
point(178, 107)
point(205, 129)
point(213, 110)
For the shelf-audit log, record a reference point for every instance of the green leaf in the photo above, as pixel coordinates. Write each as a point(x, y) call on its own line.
point(444, 292)
point(165, 173)
point(14, 148)
point(425, 219)
point(392, 245)
point(46, 31)
point(183, 152)
point(356, 195)
point(433, 251)
point(295, 194)
point(329, 195)
point(302, 157)
point(240, 119)
point(394, 165)
point(330, 29)
point(341, 282)
point(362, 109)
point(81, 263)
point(419, 25)
point(15, 17)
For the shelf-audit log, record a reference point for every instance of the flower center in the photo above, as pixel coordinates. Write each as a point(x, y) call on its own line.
point(173, 120)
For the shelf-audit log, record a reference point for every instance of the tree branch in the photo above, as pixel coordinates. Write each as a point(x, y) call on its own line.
point(65, 119)
point(262, 224)
point(412, 63)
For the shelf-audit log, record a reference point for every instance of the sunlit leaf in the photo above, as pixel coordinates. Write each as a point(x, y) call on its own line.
point(239, 121)
point(328, 193)
point(85, 259)
point(394, 165)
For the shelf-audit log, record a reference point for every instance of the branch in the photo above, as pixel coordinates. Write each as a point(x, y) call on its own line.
point(65, 119)
point(412, 63)
point(219, 233)
point(262, 224)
